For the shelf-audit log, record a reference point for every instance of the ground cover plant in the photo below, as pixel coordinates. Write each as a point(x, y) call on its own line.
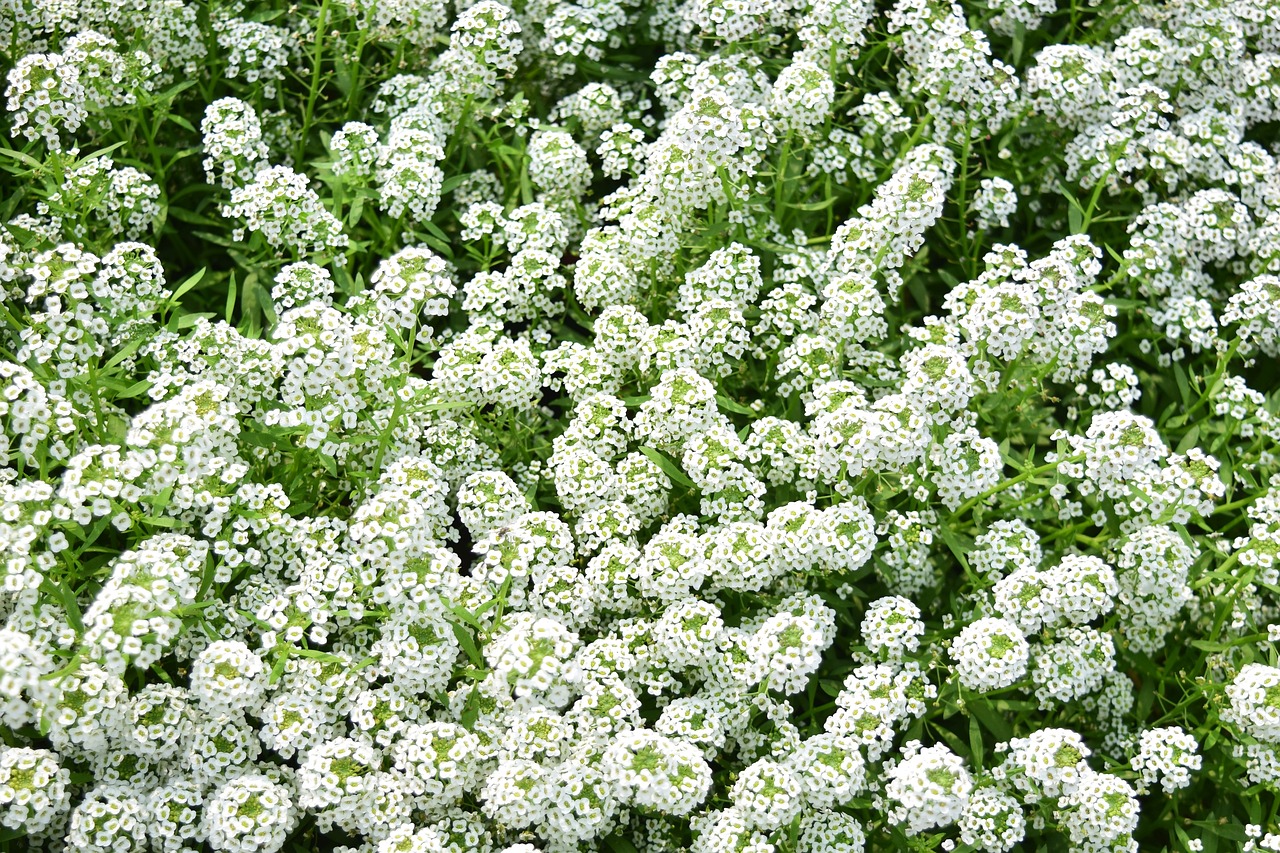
point(714, 425)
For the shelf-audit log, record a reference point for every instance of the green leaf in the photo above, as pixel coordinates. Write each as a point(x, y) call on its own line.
point(470, 711)
point(579, 316)
point(181, 122)
point(445, 407)
point(671, 469)
point(1184, 387)
point(919, 292)
point(730, 406)
point(464, 616)
point(992, 721)
point(186, 321)
point(231, 298)
point(1019, 42)
point(174, 90)
point(134, 390)
point(452, 183)
point(1207, 646)
point(186, 284)
point(262, 626)
point(182, 214)
point(26, 159)
point(1075, 211)
point(355, 212)
point(976, 751)
point(1189, 440)
point(318, 655)
point(125, 351)
point(441, 247)
point(619, 844)
point(468, 643)
point(814, 206)
point(954, 543)
point(277, 669)
point(68, 601)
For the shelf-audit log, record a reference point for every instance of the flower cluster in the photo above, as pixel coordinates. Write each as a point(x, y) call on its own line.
point(735, 426)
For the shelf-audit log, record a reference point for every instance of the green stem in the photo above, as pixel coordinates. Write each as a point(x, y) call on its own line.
point(1008, 484)
point(308, 111)
point(1235, 504)
point(781, 178)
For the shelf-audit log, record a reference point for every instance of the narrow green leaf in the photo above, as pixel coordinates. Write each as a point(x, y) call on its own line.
point(318, 655)
point(989, 718)
point(134, 390)
point(186, 284)
point(731, 406)
point(1184, 387)
point(976, 751)
point(68, 600)
point(468, 643)
point(955, 545)
point(277, 669)
point(671, 469)
point(231, 298)
point(182, 214)
point(445, 407)
point(619, 844)
point(186, 321)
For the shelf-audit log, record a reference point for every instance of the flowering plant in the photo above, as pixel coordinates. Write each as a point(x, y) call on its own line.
point(785, 426)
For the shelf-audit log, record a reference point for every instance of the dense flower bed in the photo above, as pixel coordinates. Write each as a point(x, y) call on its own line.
point(735, 426)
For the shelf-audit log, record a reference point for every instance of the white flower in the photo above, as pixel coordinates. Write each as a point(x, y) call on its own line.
point(990, 654)
point(1167, 756)
point(338, 780)
point(534, 657)
point(159, 721)
point(233, 142)
point(1004, 546)
point(516, 793)
point(405, 838)
point(1101, 810)
point(558, 164)
point(46, 97)
point(1047, 763)
point(803, 94)
point(655, 772)
point(891, 627)
point(767, 794)
point(249, 813)
point(278, 203)
point(300, 283)
point(173, 813)
point(992, 821)
point(830, 769)
point(1255, 701)
point(995, 201)
point(1072, 666)
point(728, 829)
point(876, 700)
point(254, 51)
point(928, 788)
point(110, 819)
point(228, 676)
point(34, 789)
point(830, 832)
